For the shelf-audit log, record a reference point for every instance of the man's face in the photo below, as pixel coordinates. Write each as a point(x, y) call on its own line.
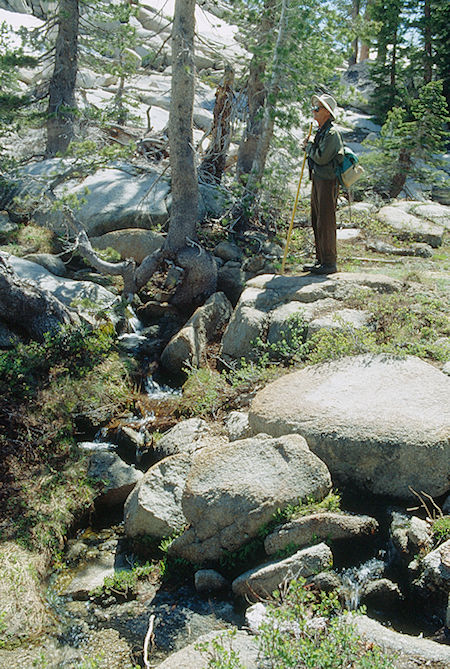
point(321, 115)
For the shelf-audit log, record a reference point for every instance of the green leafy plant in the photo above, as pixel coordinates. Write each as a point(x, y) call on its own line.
point(204, 392)
point(441, 529)
point(290, 346)
point(303, 630)
point(220, 653)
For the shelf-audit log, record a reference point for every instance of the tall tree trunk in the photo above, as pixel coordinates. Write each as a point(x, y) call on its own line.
point(199, 269)
point(393, 68)
point(184, 210)
point(61, 106)
point(355, 44)
point(428, 59)
point(256, 93)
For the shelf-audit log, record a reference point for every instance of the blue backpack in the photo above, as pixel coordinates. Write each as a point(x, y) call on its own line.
point(349, 171)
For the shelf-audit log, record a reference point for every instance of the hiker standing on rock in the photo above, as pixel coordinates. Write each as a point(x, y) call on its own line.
point(324, 153)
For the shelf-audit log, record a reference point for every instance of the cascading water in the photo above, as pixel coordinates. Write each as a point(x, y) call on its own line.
point(355, 578)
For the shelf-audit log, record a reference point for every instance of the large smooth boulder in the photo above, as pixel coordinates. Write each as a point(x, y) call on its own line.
point(262, 581)
point(377, 421)
point(112, 198)
point(188, 347)
point(130, 243)
point(231, 491)
point(154, 506)
point(324, 526)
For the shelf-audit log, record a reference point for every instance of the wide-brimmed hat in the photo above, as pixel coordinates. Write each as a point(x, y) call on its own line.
point(326, 101)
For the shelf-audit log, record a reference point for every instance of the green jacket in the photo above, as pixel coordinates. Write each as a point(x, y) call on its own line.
point(325, 152)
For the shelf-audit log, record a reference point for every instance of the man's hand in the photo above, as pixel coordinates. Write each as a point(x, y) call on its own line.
point(305, 143)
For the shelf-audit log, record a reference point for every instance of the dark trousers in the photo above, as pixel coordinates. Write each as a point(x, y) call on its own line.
point(323, 218)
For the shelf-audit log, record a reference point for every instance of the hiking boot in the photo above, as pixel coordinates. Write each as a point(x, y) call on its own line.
point(310, 266)
point(323, 269)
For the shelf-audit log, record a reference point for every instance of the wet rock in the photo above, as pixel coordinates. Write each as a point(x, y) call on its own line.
point(365, 417)
point(117, 479)
point(381, 594)
point(326, 581)
point(406, 652)
point(262, 581)
point(209, 580)
point(91, 576)
point(188, 347)
point(154, 506)
point(232, 491)
point(324, 526)
point(410, 535)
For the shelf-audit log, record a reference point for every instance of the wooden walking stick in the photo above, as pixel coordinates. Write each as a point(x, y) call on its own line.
point(295, 207)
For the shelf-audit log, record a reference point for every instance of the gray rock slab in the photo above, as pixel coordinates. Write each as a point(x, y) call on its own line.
point(245, 326)
point(262, 581)
point(407, 652)
point(130, 243)
point(117, 478)
point(231, 491)
point(438, 213)
point(245, 645)
point(154, 506)
point(408, 226)
point(323, 526)
point(367, 417)
point(435, 569)
point(341, 319)
point(121, 198)
point(52, 263)
point(66, 290)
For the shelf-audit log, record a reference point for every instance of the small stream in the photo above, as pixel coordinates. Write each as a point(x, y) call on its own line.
point(90, 628)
